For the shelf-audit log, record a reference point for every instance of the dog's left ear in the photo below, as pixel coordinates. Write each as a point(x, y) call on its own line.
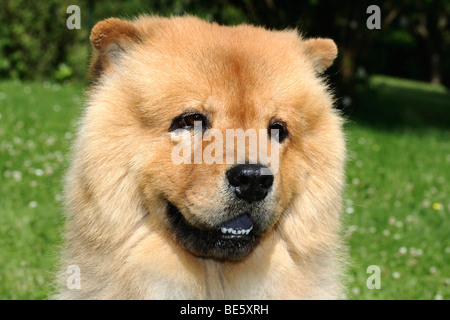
point(111, 38)
point(321, 51)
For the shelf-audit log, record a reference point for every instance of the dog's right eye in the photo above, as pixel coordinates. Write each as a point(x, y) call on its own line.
point(188, 121)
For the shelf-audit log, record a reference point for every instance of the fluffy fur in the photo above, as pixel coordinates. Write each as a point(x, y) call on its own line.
point(148, 71)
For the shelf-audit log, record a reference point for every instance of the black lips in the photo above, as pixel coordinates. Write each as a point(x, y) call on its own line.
point(215, 243)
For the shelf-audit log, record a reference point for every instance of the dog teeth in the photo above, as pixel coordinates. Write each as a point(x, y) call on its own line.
point(235, 231)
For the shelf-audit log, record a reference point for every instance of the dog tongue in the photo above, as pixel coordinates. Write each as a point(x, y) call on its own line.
point(241, 222)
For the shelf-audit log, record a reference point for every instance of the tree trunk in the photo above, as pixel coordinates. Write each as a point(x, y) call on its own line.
point(436, 68)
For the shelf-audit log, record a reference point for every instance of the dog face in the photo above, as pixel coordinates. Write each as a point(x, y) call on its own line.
point(182, 88)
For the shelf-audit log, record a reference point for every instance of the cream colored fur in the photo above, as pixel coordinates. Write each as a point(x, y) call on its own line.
point(116, 230)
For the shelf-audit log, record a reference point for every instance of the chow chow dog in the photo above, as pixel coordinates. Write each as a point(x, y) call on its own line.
point(142, 225)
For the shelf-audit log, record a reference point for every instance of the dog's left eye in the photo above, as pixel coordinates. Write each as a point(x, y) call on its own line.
point(277, 130)
point(188, 121)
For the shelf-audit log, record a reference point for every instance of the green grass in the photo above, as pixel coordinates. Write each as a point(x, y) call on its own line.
point(397, 209)
point(36, 126)
point(388, 103)
point(397, 203)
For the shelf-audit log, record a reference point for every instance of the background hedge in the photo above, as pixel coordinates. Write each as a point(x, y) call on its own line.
point(414, 41)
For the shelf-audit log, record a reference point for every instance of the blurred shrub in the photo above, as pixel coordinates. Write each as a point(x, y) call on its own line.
point(35, 41)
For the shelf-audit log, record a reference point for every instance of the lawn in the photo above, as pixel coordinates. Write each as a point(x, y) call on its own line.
point(397, 203)
point(396, 206)
point(37, 122)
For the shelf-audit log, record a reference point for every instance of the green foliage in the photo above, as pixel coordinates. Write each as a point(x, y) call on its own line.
point(36, 43)
point(35, 40)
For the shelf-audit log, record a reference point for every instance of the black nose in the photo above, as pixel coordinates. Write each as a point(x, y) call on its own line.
point(248, 181)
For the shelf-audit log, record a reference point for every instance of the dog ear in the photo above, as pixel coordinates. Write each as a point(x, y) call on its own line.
point(321, 51)
point(111, 38)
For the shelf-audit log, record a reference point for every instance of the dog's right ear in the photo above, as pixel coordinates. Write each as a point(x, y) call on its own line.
point(111, 38)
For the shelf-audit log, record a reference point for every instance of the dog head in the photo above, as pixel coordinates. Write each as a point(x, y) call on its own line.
point(222, 127)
